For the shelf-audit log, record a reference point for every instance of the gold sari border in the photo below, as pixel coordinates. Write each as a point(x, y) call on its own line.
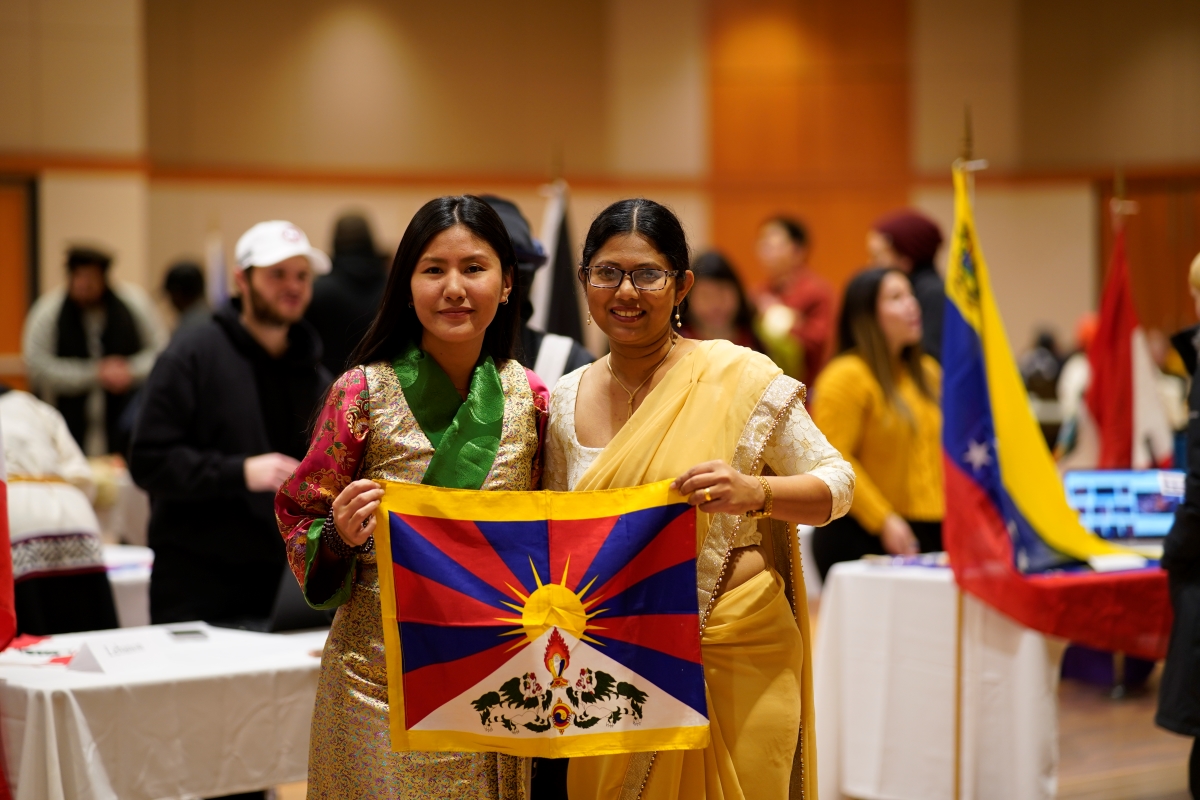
point(712, 560)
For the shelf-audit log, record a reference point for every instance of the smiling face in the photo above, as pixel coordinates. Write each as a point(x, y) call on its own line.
point(898, 312)
point(457, 286)
point(629, 316)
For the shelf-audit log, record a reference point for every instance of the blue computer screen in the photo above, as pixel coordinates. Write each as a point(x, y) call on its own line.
point(1126, 504)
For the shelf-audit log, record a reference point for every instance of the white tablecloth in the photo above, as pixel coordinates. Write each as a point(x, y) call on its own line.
point(129, 575)
point(225, 713)
point(885, 679)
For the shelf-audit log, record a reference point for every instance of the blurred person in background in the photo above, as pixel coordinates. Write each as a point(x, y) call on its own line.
point(224, 421)
point(184, 287)
point(1040, 366)
point(716, 308)
point(345, 301)
point(877, 402)
point(1179, 691)
point(909, 241)
point(89, 346)
point(796, 306)
point(61, 585)
point(549, 355)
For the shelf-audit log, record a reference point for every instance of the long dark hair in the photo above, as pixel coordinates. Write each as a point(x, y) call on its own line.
point(714, 266)
point(859, 331)
point(396, 326)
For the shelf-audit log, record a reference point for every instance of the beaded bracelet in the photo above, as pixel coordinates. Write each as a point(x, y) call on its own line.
point(768, 500)
point(337, 545)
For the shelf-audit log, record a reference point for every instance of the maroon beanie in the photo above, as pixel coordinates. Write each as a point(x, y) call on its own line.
point(912, 235)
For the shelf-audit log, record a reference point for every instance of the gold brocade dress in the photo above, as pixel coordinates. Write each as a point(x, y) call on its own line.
point(366, 430)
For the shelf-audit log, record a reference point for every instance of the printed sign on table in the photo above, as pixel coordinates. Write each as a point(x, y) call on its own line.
point(541, 623)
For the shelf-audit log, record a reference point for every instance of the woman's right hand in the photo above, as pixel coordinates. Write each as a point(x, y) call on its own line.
point(354, 511)
point(897, 537)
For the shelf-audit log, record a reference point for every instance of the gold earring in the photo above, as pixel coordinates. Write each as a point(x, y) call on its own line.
point(589, 318)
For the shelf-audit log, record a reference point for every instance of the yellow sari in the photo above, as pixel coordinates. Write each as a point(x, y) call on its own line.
point(722, 402)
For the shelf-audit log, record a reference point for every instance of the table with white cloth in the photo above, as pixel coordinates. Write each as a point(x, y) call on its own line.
point(182, 711)
point(887, 676)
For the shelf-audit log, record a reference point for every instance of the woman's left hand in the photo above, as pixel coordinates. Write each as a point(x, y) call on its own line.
point(718, 488)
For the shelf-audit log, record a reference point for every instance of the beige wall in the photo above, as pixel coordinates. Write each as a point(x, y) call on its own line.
point(1108, 83)
point(1040, 243)
point(964, 52)
point(416, 86)
point(657, 87)
point(107, 210)
point(71, 76)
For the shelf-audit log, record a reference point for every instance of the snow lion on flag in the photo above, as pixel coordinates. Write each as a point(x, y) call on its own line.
point(541, 623)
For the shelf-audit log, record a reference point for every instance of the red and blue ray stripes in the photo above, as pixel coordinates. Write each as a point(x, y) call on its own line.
point(453, 579)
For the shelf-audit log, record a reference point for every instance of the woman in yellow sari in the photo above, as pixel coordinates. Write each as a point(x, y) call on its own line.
point(731, 429)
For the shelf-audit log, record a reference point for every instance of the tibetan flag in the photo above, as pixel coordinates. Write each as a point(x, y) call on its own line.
point(1013, 540)
point(541, 623)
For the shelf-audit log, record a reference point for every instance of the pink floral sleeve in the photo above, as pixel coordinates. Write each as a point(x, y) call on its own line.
point(333, 461)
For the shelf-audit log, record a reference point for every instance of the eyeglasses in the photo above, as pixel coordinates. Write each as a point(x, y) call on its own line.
point(644, 279)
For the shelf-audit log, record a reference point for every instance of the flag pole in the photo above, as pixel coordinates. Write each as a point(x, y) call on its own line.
point(969, 165)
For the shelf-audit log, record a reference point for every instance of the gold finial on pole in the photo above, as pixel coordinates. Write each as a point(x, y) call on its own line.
point(1119, 206)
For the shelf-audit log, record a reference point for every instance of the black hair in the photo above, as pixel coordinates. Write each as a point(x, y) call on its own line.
point(88, 257)
point(859, 331)
point(793, 227)
point(652, 221)
point(714, 266)
point(396, 326)
point(185, 280)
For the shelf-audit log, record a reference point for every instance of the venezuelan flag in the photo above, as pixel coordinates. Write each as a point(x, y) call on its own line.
point(1008, 525)
point(541, 623)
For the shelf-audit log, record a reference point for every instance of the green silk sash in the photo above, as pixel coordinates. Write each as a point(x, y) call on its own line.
point(465, 434)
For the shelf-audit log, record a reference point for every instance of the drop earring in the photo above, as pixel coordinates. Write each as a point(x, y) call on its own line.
point(589, 318)
point(678, 324)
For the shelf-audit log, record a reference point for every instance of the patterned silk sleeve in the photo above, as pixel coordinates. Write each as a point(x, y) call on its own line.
point(797, 447)
point(334, 459)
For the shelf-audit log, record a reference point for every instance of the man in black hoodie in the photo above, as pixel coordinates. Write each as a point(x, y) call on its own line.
point(224, 420)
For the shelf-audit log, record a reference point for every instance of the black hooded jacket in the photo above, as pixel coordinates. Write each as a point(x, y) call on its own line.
point(214, 398)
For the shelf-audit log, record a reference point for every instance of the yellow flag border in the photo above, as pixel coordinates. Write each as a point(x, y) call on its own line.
point(1034, 484)
point(434, 501)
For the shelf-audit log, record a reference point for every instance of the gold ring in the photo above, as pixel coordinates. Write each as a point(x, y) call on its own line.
point(707, 495)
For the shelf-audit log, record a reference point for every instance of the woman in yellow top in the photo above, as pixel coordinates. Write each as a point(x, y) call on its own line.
point(718, 419)
point(877, 401)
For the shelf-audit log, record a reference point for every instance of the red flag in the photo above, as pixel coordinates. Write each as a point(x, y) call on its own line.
point(1122, 399)
point(8, 606)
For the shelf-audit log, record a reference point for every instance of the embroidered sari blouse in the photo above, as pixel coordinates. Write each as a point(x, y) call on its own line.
point(366, 430)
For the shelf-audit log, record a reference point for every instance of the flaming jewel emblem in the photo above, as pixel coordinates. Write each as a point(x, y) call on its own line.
point(558, 657)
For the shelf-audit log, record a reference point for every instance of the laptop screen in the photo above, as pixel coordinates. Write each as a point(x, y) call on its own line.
point(1126, 504)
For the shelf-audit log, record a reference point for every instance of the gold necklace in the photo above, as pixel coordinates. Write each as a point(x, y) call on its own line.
point(662, 361)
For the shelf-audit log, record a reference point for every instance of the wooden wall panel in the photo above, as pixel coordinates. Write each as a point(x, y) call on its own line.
point(14, 277)
point(809, 117)
point(1162, 239)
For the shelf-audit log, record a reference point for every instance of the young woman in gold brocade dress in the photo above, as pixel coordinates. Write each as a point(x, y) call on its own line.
point(436, 362)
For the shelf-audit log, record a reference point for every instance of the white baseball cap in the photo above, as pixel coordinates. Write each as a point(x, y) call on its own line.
point(268, 243)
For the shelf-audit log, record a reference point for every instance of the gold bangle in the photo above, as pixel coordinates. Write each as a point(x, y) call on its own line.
point(768, 501)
